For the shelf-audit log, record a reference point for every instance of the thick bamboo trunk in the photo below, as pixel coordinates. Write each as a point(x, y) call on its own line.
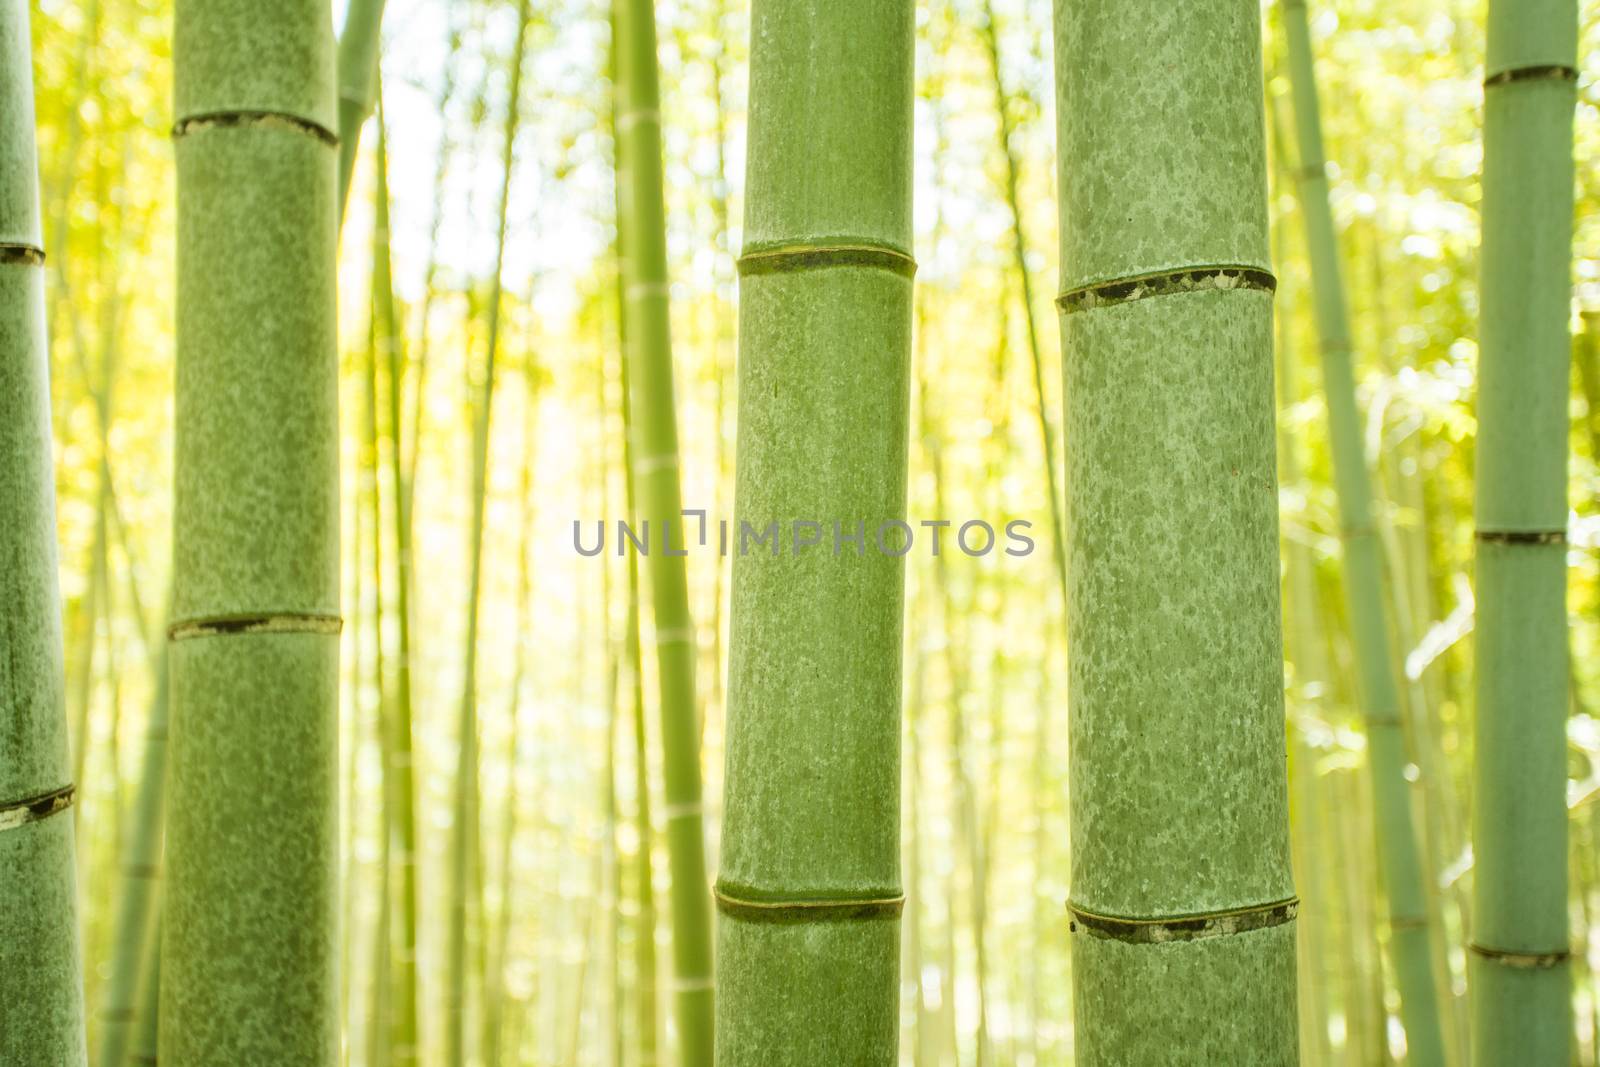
point(1398, 857)
point(1520, 957)
point(1182, 900)
point(41, 984)
point(655, 470)
point(809, 891)
point(250, 946)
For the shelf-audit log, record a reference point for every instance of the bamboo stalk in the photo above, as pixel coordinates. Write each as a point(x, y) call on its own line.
point(1401, 866)
point(358, 83)
point(407, 1040)
point(1006, 126)
point(379, 335)
point(1175, 631)
point(809, 892)
point(250, 954)
point(430, 283)
point(655, 460)
point(1520, 965)
point(645, 963)
point(133, 939)
point(499, 955)
point(466, 783)
point(42, 1021)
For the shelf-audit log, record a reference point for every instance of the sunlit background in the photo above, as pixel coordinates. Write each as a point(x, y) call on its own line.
point(555, 903)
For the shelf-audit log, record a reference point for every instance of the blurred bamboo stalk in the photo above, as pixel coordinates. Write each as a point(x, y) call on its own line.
point(133, 940)
point(499, 949)
point(406, 1047)
point(1402, 868)
point(1006, 126)
point(359, 45)
point(465, 805)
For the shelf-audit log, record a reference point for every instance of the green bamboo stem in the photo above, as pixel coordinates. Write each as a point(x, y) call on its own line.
point(1019, 251)
point(611, 864)
point(723, 285)
point(251, 933)
point(645, 964)
point(655, 461)
point(351, 742)
point(499, 948)
point(1588, 360)
point(963, 801)
point(407, 1041)
point(430, 283)
point(463, 833)
point(1398, 858)
point(379, 335)
point(133, 940)
point(358, 83)
point(1404, 545)
point(809, 891)
point(1187, 940)
point(148, 1018)
point(921, 1032)
point(42, 1021)
point(1520, 964)
point(1303, 654)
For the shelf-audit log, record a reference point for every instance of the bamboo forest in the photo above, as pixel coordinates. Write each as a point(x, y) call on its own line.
point(799, 533)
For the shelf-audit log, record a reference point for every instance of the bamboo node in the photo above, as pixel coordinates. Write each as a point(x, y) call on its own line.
point(693, 985)
point(22, 255)
point(1523, 537)
point(841, 908)
point(1522, 961)
point(1165, 283)
point(799, 257)
point(1536, 72)
point(694, 810)
point(229, 625)
point(223, 120)
point(36, 809)
point(1196, 927)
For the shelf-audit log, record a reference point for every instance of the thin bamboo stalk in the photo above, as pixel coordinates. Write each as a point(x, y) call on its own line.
point(250, 954)
point(1399, 861)
point(42, 1021)
point(358, 83)
point(133, 939)
point(463, 833)
point(379, 334)
point(809, 892)
point(645, 962)
point(499, 949)
point(407, 1040)
point(1006, 127)
point(1175, 629)
point(1520, 965)
point(655, 461)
